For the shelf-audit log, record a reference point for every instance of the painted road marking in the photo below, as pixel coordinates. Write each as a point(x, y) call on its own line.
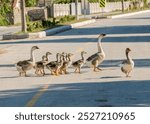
point(35, 98)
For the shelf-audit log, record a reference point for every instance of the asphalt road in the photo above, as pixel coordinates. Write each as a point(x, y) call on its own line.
point(109, 87)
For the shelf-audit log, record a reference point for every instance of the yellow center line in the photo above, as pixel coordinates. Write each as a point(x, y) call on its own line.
point(35, 98)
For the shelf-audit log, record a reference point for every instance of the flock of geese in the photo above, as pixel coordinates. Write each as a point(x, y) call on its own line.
point(64, 61)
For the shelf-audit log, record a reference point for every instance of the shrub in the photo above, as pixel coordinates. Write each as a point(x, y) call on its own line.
point(46, 23)
point(31, 3)
point(31, 26)
point(5, 9)
point(3, 22)
point(49, 23)
point(62, 1)
point(66, 19)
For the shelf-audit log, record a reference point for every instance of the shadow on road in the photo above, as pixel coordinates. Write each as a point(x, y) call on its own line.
point(96, 31)
point(138, 63)
point(115, 39)
point(102, 94)
point(118, 93)
point(134, 29)
point(16, 98)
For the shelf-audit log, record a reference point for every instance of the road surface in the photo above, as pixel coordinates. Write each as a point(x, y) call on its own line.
point(109, 87)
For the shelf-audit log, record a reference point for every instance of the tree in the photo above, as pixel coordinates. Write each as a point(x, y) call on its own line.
point(122, 2)
point(24, 25)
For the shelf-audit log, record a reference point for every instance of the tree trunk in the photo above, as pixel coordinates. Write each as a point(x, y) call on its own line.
point(122, 2)
point(23, 16)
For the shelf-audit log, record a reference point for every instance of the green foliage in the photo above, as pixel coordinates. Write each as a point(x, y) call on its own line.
point(3, 21)
point(27, 18)
point(93, 1)
point(65, 1)
point(5, 9)
point(66, 19)
point(31, 26)
point(46, 23)
point(49, 23)
point(62, 1)
point(145, 3)
point(34, 25)
point(31, 3)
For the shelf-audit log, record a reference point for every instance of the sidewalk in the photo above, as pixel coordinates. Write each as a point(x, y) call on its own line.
point(101, 15)
point(7, 33)
point(42, 34)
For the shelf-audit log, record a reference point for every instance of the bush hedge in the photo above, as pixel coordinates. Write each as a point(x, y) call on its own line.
point(45, 24)
point(5, 9)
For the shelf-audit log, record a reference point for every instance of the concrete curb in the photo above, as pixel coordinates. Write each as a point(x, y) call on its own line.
point(15, 36)
point(49, 32)
point(60, 29)
point(128, 14)
point(79, 24)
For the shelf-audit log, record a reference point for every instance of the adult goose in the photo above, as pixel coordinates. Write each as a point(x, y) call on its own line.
point(79, 63)
point(128, 64)
point(98, 57)
point(25, 65)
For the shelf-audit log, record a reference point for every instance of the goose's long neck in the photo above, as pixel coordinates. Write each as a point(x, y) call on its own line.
point(128, 56)
point(69, 58)
point(82, 56)
point(32, 56)
point(99, 45)
point(61, 60)
point(46, 58)
point(57, 57)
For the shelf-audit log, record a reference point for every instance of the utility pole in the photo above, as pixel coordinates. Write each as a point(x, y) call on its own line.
point(44, 3)
point(23, 16)
point(122, 2)
point(51, 8)
point(76, 9)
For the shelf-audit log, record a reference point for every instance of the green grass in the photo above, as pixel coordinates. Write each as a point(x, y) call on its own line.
point(20, 32)
point(57, 25)
point(74, 21)
point(43, 29)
